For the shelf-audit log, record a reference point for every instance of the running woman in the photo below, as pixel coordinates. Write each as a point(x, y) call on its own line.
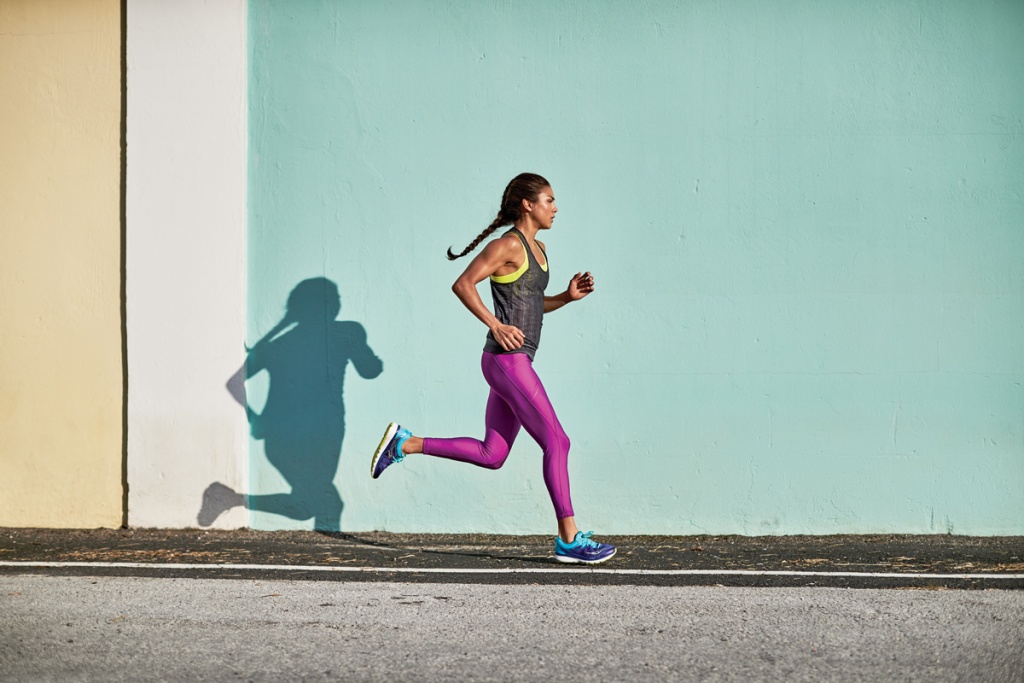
point(517, 266)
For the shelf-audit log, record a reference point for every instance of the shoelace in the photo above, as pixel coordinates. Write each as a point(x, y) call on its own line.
point(586, 542)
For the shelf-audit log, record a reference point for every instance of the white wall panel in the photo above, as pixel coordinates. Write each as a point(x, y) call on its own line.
point(186, 262)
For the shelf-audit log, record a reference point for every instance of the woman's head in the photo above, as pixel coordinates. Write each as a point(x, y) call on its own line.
point(524, 187)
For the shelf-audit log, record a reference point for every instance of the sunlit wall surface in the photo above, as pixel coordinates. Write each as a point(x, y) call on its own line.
point(185, 187)
point(804, 220)
point(60, 329)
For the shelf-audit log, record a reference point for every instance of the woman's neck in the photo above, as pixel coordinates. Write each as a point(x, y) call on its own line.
point(528, 228)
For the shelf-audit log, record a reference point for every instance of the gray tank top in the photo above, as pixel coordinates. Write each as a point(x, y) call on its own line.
point(519, 300)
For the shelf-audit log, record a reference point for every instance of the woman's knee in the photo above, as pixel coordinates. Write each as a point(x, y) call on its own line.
point(558, 445)
point(494, 453)
point(494, 458)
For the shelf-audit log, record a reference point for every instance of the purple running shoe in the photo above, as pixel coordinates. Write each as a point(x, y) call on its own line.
point(583, 550)
point(390, 449)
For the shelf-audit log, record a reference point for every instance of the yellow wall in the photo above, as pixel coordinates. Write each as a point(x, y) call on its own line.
point(60, 325)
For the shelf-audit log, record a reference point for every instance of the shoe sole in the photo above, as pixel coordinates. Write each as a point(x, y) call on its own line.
point(572, 560)
point(389, 434)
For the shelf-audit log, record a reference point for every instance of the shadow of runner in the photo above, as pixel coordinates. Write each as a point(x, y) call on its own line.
point(302, 424)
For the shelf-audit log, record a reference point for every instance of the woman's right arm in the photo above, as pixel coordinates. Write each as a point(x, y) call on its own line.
point(495, 255)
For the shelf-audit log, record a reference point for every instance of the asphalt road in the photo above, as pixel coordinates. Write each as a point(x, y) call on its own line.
point(81, 628)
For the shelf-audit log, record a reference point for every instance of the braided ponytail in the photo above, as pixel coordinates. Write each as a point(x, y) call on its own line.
point(495, 224)
point(524, 186)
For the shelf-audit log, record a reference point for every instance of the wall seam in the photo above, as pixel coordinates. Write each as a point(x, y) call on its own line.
point(123, 209)
point(244, 469)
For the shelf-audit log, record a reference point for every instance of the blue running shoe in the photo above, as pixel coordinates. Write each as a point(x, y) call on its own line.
point(390, 449)
point(583, 550)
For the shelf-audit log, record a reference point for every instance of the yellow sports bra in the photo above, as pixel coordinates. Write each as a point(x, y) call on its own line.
point(512, 277)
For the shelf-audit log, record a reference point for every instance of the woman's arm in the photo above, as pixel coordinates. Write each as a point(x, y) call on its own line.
point(580, 286)
point(496, 254)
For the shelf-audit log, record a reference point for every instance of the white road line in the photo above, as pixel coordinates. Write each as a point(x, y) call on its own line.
point(510, 570)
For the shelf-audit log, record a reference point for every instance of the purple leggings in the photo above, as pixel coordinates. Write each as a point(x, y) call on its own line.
point(517, 399)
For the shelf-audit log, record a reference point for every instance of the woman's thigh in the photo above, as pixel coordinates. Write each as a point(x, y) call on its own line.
point(513, 379)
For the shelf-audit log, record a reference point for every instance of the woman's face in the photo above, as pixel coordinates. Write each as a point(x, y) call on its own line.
point(543, 209)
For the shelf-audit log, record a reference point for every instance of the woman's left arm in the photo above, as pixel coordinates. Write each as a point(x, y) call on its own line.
point(580, 286)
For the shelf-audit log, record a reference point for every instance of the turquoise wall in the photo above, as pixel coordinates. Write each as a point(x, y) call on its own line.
point(806, 222)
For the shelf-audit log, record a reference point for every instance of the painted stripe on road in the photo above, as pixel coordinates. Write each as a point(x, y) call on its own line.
point(509, 570)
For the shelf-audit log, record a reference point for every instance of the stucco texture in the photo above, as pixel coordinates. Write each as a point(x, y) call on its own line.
point(804, 220)
point(60, 335)
point(185, 256)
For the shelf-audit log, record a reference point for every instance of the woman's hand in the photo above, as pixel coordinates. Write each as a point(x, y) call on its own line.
point(509, 336)
point(580, 285)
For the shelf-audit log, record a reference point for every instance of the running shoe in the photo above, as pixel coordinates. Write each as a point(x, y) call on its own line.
point(583, 550)
point(390, 449)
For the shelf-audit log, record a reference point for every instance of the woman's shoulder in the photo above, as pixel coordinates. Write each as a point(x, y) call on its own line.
point(507, 242)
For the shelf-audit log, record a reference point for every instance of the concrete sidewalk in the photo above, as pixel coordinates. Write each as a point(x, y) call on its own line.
point(854, 561)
